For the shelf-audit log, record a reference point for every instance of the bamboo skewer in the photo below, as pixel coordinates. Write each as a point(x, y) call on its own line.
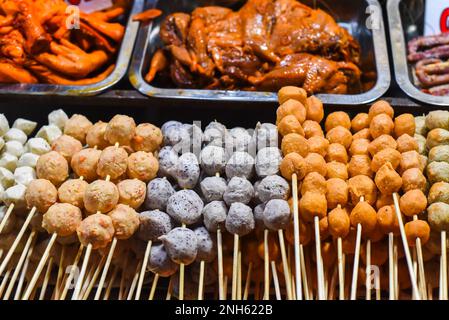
point(201, 281)
point(60, 273)
point(285, 265)
point(142, 270)
point(221, 295)
point(153, 286)
point(266, 295)
point(304, 273)
point(17, 240)
point(105, 269)
point(341, 276)
point(21, 281)
point(111, 283)
point(46, 279)
point(298, 276)
point(26, 252)
point(368, 269)
point(134, 282)
point(276, 281)
point(6, 217)
point(71, 273)
point(248, 281)
point(235, 267)
point(181, 277)
point(356, 262)
point(39, 268)
point(5, 280)
point(319, 262)
point(406, 247)
point(391, 285)
point(89, 288)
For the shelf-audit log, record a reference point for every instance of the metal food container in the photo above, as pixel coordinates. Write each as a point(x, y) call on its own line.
point(117, 74)
point(406, 21)
point(351, 14)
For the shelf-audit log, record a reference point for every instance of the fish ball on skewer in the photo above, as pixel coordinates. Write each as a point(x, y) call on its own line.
point(101, 196)
point(131, 192)
point(337, 170)
point(380, 107)
point(8, 161)
point(276, 214)
point(14, 134)
point(27, 160)
point(360, 122)
point(121, 130)
point(214, 215)
point(238, 190)
point(340, 135)
point(437, 137)
point(113, 162)
point(185, 206)
point(404, 124)
point(313, 204)
point(95, 136)
point(417, 229)
point(154, 224)
point(362, 186)
point(389, 155)
point(335, 119)
point(388, 181)
point(382, 142)
point(206, 246)
point(213, 188)
point(53, 167)
point(147, 138)
point(413, 179)
point(295, 143)
point(144, 166)
point(41, 194)
point(160, 263)
point(267, 161)
point(291, 164)
point(25, 125)
point(125, 221)
point(337, 191)
point(337, 152)
point(96, 230)
point(72, 191)
point(312, 129)
point(407, 143)
point(58, 118)
point(437, 119)
point(315, 109)
point(413, 202)
point(437, 172)
point(213, 160)
point(85, 162)
point(168, 158)
point(24, 175)
point(240, 164)
point(240, 219)
point(359, 147)
point(313, 182)
point(339, 222)
point(380, 125)
point(67, 146)
point(273, 187)
point(439, 192)
point(14, 148)
point(438, 216)
point(291, 107)
point(62, 219)
point(181, 245)
point(77, 127)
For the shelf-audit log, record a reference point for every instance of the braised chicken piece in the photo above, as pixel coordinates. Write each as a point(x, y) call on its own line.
point(37, 43)
point(266, 45)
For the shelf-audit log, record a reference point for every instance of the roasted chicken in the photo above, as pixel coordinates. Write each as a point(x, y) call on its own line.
point(41, 42)
point(265, 45)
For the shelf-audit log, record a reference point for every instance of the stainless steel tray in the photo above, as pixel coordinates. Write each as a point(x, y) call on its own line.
point(352, 14)
point(405, 19)
point(117, 74)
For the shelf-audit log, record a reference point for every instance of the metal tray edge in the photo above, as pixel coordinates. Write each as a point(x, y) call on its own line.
point(398, 47)
point(122, 63)
point(382, 84)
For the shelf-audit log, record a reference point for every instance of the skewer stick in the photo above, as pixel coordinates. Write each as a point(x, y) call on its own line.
point(21, 281)
point(79, 282)
point(285, 265)
point(225, 287)
point(134, 282)
point(422, 273)
point(26, 252)
point(266, 295)
point(142, 270)
point(17, 240)
point(333, 283)
point(39, 268)
point(239, 278)
point(248, 281)
point(391, 285)
point(105, 269)
point(235, 267)
point(304, 274)
point(220, 265)
point(72, 273)
point(396, 277)
point(355, 270)
point(444, 265)
point(276, 281)
point(60, 273)
point(201, 281)
point(181, 277)
point(319, 264)
point(1, 253)
point(298, 276)
point(46, 279)
point(153, 286)
point(341, 276)
point(94, 278)
point(111, 283)
point(356, 262)
point(6, 217)
point(368, 270)
point(170, 285)
point(5, 279)
point(406, 247)
point(87, 280)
